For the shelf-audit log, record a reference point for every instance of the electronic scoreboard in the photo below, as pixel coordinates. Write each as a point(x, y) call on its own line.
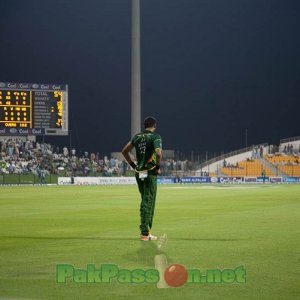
point(33, 109)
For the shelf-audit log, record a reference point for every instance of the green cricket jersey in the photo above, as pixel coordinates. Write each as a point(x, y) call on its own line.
point(145, 144)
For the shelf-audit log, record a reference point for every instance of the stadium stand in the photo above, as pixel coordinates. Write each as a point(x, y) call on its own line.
point(28, 157)
point(257, 160)
point(286, 163)
point(247, 168)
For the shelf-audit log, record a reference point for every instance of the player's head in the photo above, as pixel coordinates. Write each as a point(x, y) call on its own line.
point(150, 122)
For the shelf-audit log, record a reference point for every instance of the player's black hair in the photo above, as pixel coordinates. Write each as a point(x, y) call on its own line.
point(149, 122)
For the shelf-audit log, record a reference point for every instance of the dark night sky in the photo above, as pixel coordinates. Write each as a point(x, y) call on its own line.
point(210, 68)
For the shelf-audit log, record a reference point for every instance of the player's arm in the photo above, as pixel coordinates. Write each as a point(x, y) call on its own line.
point(158, 156)
point(158, 152)
point(126, 150)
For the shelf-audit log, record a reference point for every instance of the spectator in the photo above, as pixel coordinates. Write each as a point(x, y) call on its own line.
point(65, 151)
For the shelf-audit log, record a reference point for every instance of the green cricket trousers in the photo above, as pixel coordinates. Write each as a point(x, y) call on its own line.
point(147, 188)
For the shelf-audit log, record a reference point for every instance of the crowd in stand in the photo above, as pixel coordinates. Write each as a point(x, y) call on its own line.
point(17, 156)
point(257, 151)
point(290, 155)
point(170, 166)
point(288, 149)
point(24, 157)
point(227, 164)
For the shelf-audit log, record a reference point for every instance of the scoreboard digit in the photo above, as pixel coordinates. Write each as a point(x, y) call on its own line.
point(15, 109)
point(33, 109)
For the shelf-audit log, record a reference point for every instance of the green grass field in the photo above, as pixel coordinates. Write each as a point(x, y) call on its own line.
point(208, 227)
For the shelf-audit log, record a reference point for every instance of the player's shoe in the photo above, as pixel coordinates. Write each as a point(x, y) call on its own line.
point(148, 237)
point(152, 237)
point(144, 237)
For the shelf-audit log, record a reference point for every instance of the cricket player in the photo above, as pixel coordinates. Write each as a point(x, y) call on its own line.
point(148, 147)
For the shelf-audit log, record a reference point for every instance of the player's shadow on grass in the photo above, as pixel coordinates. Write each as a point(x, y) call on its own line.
point(144, 253)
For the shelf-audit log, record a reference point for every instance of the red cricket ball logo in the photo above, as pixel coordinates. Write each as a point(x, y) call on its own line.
point(176, 275)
